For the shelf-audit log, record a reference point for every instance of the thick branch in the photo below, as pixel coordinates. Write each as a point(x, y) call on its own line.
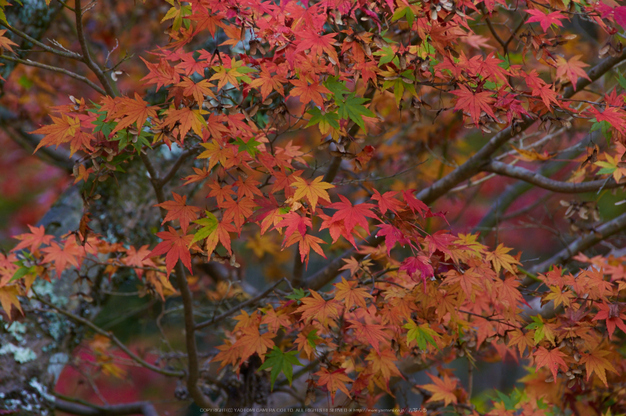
point(546, 183)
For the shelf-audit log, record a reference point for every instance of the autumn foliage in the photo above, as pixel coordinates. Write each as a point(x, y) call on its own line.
point(315, 163)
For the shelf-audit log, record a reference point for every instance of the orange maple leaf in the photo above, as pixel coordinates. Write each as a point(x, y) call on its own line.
point(596, 363)
point(179, 210)
point(350, 294)
point(369, 334)
point(198, 90)
point(316, 307)
point(60, 131)
point(551, 359)
point(253, 341)
point(9, 299)
point(34, 239)
point(333, 380)
point(307, 93)
point(383, 363)
point(500, 259)
point(61, 256)
point(442, 389)
point(132, 111)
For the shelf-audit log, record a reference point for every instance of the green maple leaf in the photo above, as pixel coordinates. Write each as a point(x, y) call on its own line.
point(326, 121)
point(250, 147)
point(354, 109)
point(420, 333)
point(338, 88)
point(280, 362)
point(209, 225)
point(297, 294)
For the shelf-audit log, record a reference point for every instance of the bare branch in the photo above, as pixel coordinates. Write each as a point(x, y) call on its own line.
point(600, 233)
point(86, 56)
point(546, 183)
point(61, 53)
point(237, 308)
point(113, 339)
point(54, 69)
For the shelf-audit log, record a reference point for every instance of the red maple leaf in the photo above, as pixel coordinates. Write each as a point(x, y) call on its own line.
point(474, 103)
point(179, 210)
point(545, 20)
point(174, 246)
point(352, 215)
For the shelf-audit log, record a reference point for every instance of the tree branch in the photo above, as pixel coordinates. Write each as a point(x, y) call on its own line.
point(54, 69)
point(237, 308)
point(144, 408)
point(546, 183)
point(602, 232)
point(61, 53)
point(473, 165)
point(86, 56)
point(112, 337)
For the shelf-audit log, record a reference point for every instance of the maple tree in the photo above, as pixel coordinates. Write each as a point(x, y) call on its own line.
point(341, 204)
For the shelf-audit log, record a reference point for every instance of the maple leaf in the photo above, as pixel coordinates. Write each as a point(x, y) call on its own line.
point(308, 92)
point(545, 20)
point(34, 239)
point(596, 363)
point(280, 362)
point(352, 107)
point(371, 334)
point(238, 210)
point(216, 152)
point(500, 259)
point(138, 258)
point(333, 381)
point(187, 119)
point(312, 191)
point(352, 215)
point(179, 210)
point(612, 316)
point(228, 353)
point(252, 341)
point(269, 82)
point(318, 44)
point(350, 294)
point(213, 231)
point(422, 334)
point(274, 320)
point(315, 307)
point(61, 131)
point(61, 256)
point(9, 299)
point(133, 111)
point(392, 236)
point(174, 246)
point(571, 69)
point(198, 90)
point(294, 222)
point(474, 103)
point(6, 43)
point(383, 363)
point(552, 359)
point(387, 202)
point(443, 390)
